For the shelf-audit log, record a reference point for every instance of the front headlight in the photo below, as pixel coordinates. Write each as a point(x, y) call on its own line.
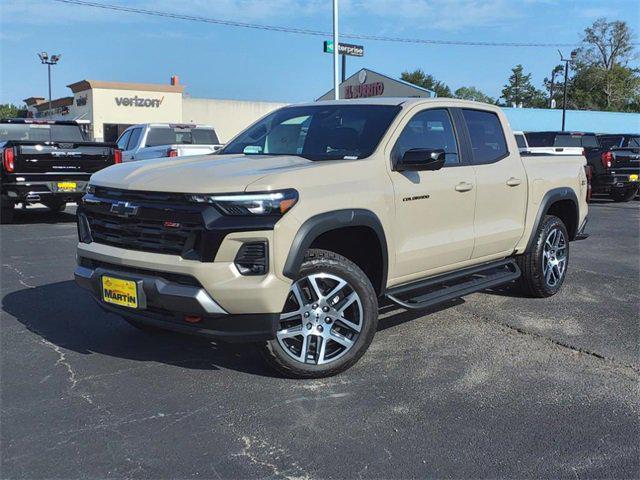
point(91, 189)
point(269, 203)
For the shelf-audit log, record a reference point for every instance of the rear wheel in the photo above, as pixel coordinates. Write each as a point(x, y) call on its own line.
point(623, 194)
point(329, 319)
point(544, 267)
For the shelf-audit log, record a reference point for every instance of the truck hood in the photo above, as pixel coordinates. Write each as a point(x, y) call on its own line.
point(197, 174)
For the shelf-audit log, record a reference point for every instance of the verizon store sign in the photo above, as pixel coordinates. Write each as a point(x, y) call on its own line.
point(138, 102)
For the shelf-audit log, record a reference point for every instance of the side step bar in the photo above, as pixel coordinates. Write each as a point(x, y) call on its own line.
point(442, 288)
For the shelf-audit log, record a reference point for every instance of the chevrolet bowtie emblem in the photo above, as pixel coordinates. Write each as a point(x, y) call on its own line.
point(124, 209)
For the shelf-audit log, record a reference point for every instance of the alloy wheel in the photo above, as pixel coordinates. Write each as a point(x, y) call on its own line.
point(554, 257)
point(322, 319)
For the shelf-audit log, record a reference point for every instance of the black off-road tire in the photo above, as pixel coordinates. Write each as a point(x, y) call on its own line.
point(532, 281)
point(623, 194)
point(55, 205)
point(323, 261)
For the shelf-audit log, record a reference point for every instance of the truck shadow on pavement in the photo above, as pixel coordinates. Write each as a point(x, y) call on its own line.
point(68, 317)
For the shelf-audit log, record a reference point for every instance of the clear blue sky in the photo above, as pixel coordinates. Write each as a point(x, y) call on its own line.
point(229, 62)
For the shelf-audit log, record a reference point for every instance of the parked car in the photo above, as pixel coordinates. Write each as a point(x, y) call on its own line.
point(524, 147)
point(291, 235)
point(156, 140)
point(615, 169)
point(47, 162)
point(624, 156)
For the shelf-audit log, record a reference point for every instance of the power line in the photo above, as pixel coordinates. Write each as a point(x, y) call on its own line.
point(303, 31)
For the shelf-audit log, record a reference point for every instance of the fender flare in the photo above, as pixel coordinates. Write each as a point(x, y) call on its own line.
point(552, 196)
point(315, 226)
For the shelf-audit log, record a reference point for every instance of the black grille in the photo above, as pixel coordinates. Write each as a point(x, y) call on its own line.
point(149, 235)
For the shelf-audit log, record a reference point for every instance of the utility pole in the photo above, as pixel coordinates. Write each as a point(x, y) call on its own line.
point(516, 89)
point(336, 47)
point(566, 61)
point(553, 78)
point(45, 60)
point(344, 67)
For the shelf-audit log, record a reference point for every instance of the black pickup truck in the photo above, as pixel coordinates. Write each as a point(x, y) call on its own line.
point(614, 159)
point(47, 162)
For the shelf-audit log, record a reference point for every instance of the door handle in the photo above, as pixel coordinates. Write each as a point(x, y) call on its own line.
point(464, 187)
point(514, 182)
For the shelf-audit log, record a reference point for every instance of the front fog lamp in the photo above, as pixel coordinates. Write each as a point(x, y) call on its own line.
point(271, 203)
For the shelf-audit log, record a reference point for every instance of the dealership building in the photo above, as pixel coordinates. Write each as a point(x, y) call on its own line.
point(106, 109)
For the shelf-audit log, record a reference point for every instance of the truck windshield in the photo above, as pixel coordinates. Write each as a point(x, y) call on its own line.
point(181, 136)
point(36, 132)
point(317, 132)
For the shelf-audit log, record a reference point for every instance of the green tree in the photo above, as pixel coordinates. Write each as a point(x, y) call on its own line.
point(602, 79)
point(418, 77)
point(9, 110)
point(520, 91)
point(472, 93)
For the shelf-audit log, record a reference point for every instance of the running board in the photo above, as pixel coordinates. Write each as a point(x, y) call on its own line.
point(453, 285)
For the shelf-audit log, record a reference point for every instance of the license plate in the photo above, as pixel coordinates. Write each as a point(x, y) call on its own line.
point(633, 177)
point(67, 186)
point(119, 292)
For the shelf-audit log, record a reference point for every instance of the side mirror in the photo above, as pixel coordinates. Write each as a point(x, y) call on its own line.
point(421, 159)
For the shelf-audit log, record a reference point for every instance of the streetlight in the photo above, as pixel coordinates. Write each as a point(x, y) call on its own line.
point(336, 47)
point(574, 54)
point(48, 61)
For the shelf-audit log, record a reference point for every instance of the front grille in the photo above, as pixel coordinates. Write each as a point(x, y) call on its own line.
point(148, 235)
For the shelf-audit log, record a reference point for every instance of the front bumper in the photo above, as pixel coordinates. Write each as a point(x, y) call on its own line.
point(166, 300)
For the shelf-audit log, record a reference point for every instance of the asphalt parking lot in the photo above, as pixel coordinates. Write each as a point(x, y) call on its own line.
point(490, 386)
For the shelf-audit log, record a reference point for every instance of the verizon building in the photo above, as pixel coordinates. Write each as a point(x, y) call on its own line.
point(106, 109)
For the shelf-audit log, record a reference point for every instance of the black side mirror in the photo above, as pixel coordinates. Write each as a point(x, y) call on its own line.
point(421, 159)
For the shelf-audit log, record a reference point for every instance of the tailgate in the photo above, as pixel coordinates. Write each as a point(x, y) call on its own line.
point(626, 158)
point(62, 158)
point(188, 150)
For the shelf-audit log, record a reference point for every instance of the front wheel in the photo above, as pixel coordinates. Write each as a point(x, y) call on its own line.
point(328, 321)
point(623, 194)
point(544, 267)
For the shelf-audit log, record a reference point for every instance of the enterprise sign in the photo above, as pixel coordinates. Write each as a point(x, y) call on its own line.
point(344, 49)
point(138, 102)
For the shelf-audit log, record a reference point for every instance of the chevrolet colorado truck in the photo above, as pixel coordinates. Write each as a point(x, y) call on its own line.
point(293, 233)
point(157, 140)
point(48, 162)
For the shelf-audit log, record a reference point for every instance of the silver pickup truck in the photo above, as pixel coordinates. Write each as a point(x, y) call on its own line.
point(157, 140)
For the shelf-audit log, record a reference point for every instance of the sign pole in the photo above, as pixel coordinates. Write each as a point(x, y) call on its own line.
point(344, 67)
point(336, 83)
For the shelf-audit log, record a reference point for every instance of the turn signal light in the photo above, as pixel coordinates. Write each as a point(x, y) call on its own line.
point(607, 159)
point(117, 156)
point(7, 159)
point(172, 152)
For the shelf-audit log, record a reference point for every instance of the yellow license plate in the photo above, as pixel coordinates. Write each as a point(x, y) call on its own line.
point(67, 186)
point(120, 292)
point(633, 177)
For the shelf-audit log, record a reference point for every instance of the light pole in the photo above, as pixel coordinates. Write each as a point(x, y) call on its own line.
point(48, 61)
point(574, 54)
point(336, 47)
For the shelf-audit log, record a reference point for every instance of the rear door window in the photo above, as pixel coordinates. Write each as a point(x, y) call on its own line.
point(181, 136)
point(487, 137)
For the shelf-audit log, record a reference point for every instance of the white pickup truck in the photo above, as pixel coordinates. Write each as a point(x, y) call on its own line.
point(157, 140)
point(524, 147)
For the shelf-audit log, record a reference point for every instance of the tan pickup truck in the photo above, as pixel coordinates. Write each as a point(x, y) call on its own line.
point(292, 234)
